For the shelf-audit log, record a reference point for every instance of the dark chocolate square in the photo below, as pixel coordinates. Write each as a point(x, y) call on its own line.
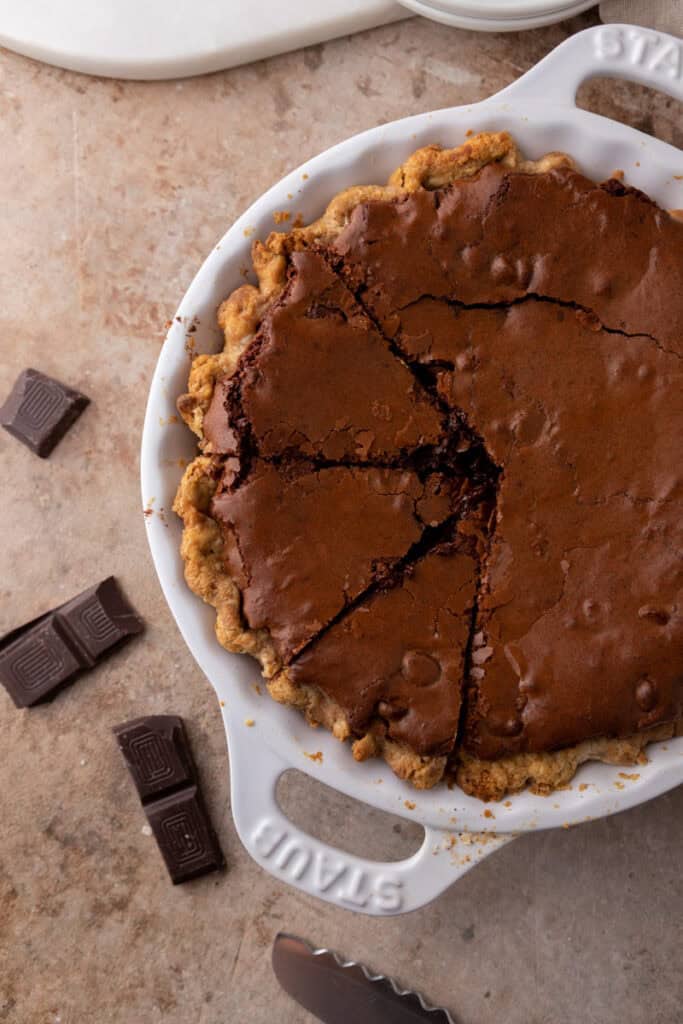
point(37, 663)
point(183, 831)
point(39, 410)
point(99, 618)
point(157, 754)
point(39, 657)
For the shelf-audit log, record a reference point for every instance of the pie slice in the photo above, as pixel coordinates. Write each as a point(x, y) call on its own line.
point(399, 654)
point(320, 382)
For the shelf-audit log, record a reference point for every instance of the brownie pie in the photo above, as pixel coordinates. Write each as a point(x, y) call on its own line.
point(439, 488)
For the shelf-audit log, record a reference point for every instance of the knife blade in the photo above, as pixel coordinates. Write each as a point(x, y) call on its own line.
point(341, 991)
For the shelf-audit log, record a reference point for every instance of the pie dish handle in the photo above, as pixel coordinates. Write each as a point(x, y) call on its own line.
point(379, 888)
point(614, 51)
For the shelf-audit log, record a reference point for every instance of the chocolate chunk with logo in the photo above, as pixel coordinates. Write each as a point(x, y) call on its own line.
point(159, 758)
point(39, 410)
point(157, 754)
point(44, 655)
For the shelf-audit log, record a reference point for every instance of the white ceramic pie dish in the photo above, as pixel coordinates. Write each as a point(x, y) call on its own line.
point(539, 111)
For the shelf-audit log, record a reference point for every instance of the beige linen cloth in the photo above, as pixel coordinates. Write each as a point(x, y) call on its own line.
point(664, 15)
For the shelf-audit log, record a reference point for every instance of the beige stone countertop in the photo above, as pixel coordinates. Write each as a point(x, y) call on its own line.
point(111, 195)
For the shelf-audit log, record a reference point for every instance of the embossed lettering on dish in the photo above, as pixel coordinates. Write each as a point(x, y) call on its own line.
point(267, 837)
point(299, 861)
point(293, 858)
point(640, 49)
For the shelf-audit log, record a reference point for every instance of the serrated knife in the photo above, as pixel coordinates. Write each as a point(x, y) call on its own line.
point(341, 991)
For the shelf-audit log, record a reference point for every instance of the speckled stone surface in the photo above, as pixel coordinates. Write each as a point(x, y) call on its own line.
point(111, 194)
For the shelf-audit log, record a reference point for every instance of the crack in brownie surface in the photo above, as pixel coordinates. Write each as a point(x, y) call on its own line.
point(430, 499)
point(502, 235)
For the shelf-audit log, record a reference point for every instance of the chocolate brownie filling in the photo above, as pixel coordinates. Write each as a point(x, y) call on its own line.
point(452, 487)
point(587, 550)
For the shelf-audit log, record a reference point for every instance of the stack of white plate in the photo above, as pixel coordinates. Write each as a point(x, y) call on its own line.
point(498, 15)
